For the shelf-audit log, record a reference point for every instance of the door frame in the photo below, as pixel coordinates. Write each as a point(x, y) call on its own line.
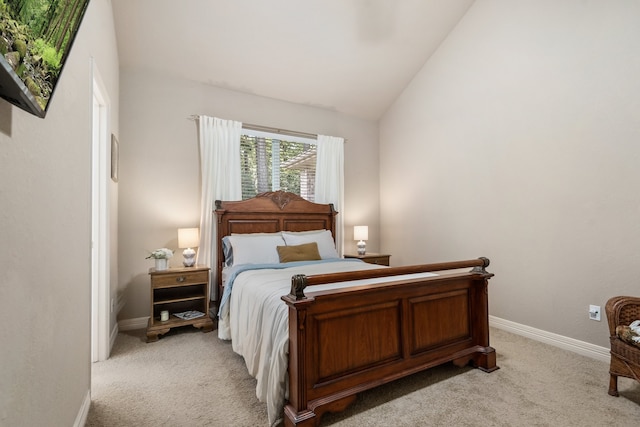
point(100, 174)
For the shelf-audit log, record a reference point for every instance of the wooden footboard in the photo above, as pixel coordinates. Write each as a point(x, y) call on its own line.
point(347, 341)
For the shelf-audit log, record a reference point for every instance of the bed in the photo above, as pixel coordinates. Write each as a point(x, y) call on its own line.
point(317, 333)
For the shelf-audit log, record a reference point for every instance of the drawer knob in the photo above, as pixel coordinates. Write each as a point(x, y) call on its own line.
point(181, 279)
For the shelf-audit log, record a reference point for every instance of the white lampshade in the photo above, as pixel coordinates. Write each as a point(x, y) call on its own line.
point(361, 232)
point(188, 237)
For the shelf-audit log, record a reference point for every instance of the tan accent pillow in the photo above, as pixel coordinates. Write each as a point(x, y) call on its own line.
point(304, 252)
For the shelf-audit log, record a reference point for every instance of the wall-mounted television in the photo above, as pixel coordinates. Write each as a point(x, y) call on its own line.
point(35, 39)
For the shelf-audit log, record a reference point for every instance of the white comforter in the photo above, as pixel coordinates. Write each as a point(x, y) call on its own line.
point(257, 324)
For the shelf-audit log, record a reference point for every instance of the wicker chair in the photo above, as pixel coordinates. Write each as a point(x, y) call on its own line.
point(625, 358)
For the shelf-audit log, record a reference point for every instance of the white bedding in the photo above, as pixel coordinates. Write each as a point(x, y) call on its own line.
point(257, 323)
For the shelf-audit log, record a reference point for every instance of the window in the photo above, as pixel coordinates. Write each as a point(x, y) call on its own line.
point(273, 163)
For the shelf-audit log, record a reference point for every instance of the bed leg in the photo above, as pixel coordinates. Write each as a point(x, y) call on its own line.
point(462, 361)
point(304, 418)
point(485, 359)
point(312, 417)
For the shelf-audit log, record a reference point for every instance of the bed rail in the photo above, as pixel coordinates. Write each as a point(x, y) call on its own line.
point(300, 282)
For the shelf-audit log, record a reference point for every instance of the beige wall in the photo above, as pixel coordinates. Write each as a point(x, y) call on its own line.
point(159, 175)
point(520, 143)
point(45, 230)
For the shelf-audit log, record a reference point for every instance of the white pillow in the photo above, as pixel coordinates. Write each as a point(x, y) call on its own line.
point(256, 248)
point(323, 238)
point(227, 252)
point(227, 249)
point(300, 233)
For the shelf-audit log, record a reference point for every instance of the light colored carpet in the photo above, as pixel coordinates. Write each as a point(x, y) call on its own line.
point(190, 378)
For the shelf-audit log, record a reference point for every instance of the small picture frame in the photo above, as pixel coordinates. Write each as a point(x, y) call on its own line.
point(114, 158)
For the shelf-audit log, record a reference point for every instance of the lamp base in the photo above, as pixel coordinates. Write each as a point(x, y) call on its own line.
point(189, 257)
point(362, 247)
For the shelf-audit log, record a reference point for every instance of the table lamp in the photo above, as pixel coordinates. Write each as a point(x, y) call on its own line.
point(188, 238)
point(361, 233)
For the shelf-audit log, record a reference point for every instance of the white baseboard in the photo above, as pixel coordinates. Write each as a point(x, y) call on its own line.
point(132, 324)
point(566, 343)
point(83, 413)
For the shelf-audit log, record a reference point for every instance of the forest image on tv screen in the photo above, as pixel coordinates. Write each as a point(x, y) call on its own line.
point(35, 39)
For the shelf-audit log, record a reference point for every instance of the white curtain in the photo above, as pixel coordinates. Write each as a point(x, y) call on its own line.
point(221, 180)
point(330, 179)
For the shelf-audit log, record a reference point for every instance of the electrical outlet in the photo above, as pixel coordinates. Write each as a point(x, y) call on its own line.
point(594, 312)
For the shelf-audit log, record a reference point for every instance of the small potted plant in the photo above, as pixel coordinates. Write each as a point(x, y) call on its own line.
point(161, 257)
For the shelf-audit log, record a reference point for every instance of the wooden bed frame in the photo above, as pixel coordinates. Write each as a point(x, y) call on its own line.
point(343, 342)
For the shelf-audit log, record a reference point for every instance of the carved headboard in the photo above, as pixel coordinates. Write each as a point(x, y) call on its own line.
point(270, 212)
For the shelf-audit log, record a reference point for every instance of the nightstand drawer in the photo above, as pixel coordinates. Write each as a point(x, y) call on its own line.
point(180, 279)
point(380, 260)
point(371, 258)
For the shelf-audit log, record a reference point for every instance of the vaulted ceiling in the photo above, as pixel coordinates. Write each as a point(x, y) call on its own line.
point(350, 56)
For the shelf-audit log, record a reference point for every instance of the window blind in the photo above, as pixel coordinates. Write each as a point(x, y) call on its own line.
point(270, 164)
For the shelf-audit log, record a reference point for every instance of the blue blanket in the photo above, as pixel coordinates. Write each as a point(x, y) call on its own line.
point(237, 269)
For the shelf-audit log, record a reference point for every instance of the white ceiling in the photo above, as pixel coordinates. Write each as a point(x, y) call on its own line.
point(350, 56)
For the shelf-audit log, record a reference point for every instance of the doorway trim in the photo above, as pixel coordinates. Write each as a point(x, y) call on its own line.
point(100, 172)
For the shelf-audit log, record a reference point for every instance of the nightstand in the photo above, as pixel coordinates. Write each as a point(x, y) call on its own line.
point(371, 258)
point(177, 290)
